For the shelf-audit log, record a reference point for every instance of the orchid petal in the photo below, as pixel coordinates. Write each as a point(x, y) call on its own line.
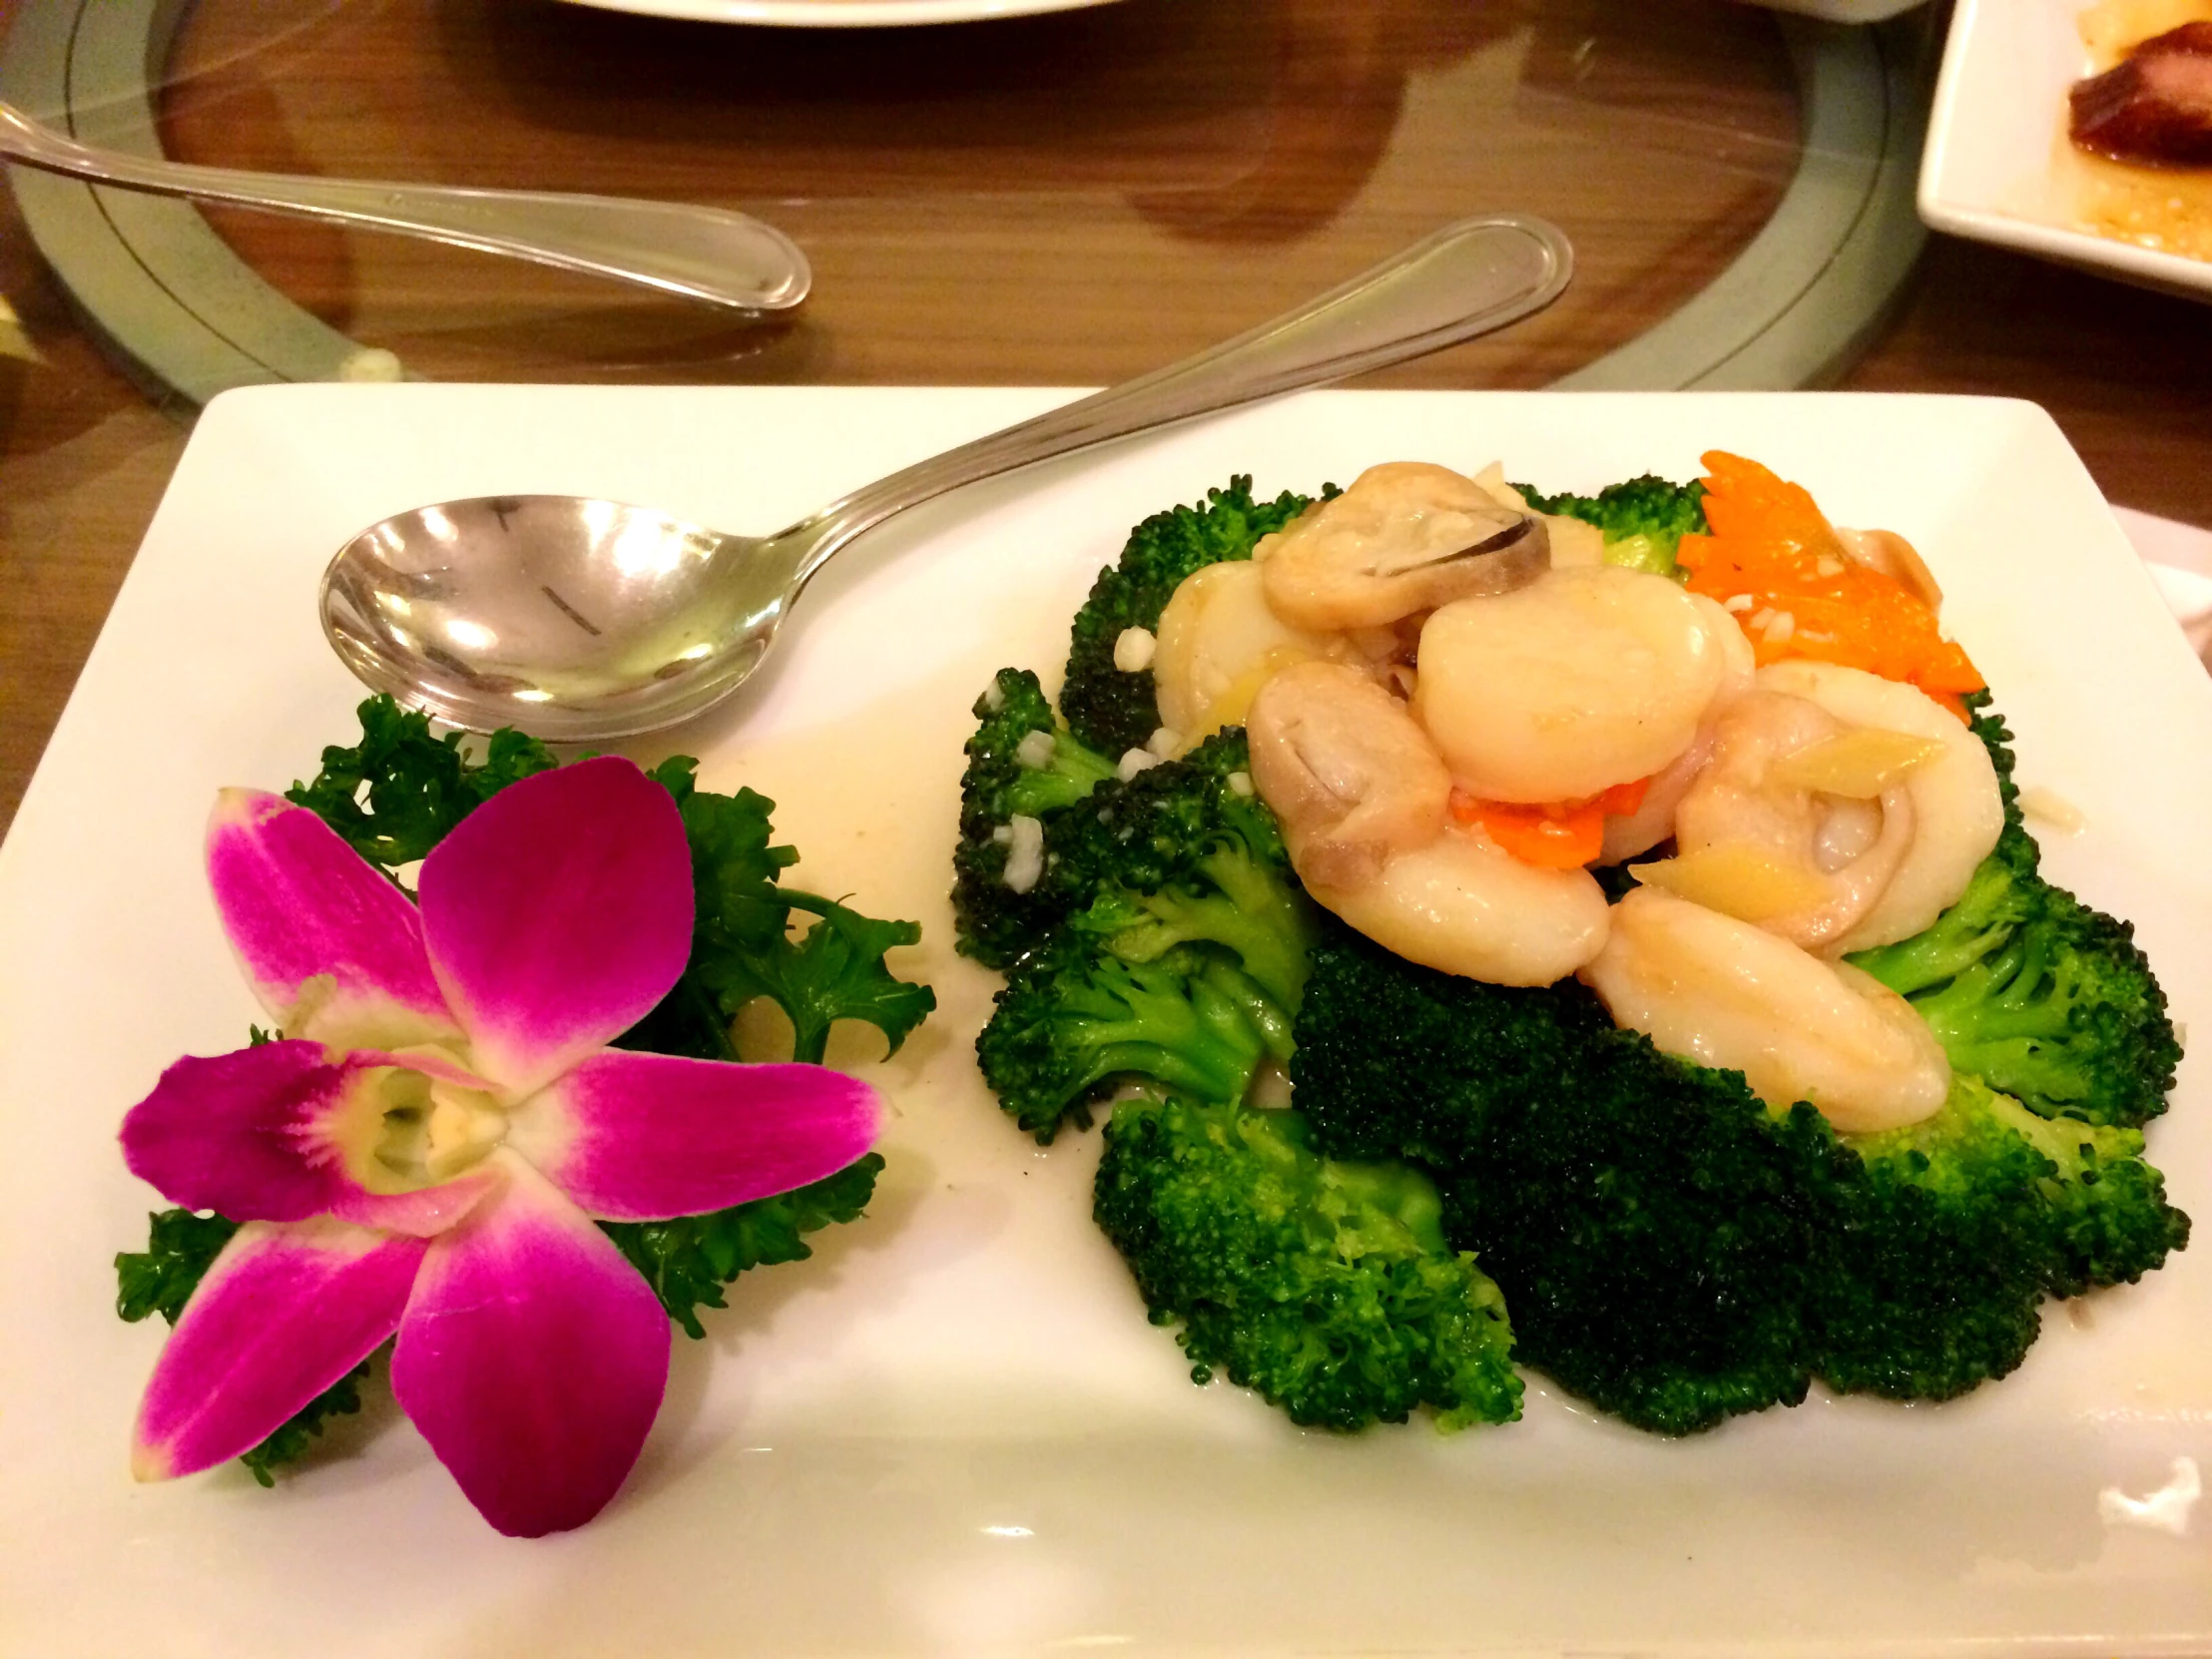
point(532, 1358)
point(557, 915)
point(423, 1214)
point(332, 950)
point(282, 1314)
point(226, 1134)
point(261, 1135)
point(643, 1137)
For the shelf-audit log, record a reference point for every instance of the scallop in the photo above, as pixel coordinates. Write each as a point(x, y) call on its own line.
point(1586, 678)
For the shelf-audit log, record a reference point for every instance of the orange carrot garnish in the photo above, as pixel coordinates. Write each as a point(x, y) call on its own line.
point(1556, 834)
point(1774, 561)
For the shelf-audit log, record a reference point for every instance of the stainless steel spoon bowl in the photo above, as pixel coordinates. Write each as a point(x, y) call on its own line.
point(579, 621)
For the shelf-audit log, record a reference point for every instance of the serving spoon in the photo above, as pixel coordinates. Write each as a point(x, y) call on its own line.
point(705, 254)
point(580, 620)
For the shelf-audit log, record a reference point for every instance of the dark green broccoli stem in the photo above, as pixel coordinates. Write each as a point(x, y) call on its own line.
point(1113, 711)
point(1327, 1287)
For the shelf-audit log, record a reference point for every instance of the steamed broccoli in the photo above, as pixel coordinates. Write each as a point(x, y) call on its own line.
point(1962, 1225)
point(1932, 1267)
point(1111, 711)
point(1651, 1223)
point(1181, 956)
point(1075, 1018)
point(1328, 1287)
point(2106, 1219)
point(1186, 850)
point(1013, 772)
point(2030, 989)
point(1643, 520)
point(1676, 1250)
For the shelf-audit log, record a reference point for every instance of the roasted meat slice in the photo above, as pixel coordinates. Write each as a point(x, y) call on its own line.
point(2156, 107)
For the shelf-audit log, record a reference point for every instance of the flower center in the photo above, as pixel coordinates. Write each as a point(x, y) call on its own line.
point(403, 1130)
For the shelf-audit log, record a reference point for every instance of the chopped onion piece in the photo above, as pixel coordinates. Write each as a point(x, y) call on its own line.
point(2052, 807)
point(1133, 649)
point(1735, 878)
point(1036, 750)
point(1024, 853)
point(1857, 764)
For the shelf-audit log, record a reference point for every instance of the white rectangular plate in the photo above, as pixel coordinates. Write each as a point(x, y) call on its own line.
point(952, 1431)
point(1992, 168)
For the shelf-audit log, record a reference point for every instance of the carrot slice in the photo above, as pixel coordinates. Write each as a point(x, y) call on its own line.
point(1556, 834)
point(1774, 560)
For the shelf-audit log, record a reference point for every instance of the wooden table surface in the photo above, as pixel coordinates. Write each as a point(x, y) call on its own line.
point(1060, 199)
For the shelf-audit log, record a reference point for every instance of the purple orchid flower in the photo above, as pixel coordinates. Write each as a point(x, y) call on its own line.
point(426, 1151)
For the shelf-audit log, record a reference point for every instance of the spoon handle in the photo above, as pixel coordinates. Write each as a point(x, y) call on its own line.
point(700, 253)
point(1467, 280)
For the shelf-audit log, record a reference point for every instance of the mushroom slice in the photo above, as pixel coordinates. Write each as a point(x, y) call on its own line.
point(1348, 771)
point(1406, 538)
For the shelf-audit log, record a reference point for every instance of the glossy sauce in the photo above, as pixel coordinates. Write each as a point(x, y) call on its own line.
point(2168, 210)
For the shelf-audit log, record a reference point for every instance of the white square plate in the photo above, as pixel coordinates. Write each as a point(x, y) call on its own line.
point(1992, 170)
point(952, 1431)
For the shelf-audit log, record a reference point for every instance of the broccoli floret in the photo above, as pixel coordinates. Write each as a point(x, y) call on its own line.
point(1112, 710)
point(1962, 1225)
point(996, 924)
point(1174, 888)
point(1186, 851)
point(2106, 1218)
point(1932, 1269)
point(1075, 1018)
point(2025, 986)
point(1675, 1251)
point(1651, 1223)
point(1643, 520)
point(1327, 1287)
